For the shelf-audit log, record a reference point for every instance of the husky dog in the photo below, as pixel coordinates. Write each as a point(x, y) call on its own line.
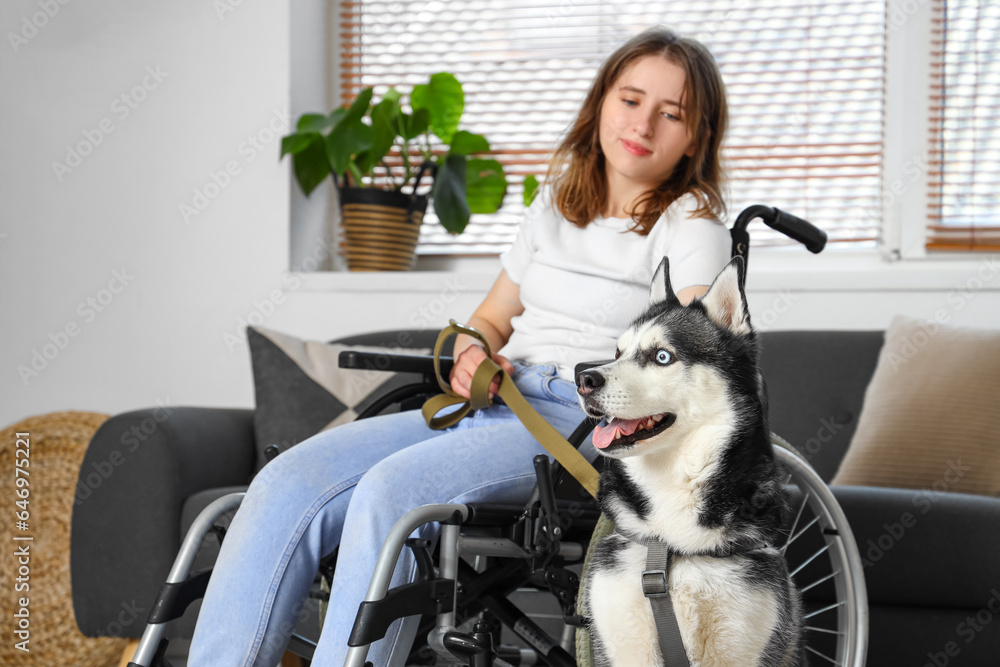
point(684, 412)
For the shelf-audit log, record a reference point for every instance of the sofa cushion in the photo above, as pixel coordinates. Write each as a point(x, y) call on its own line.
point(300, 390)
point(929, 416)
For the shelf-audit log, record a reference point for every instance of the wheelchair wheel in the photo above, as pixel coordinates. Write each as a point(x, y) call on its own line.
point(826, 565)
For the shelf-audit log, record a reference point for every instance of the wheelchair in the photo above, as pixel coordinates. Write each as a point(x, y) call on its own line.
point(486, 552)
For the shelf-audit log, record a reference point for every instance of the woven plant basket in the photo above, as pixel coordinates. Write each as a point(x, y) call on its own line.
point(57, 443)
point(381, 228)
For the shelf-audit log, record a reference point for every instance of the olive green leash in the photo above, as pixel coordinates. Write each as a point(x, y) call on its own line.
point(566, 454)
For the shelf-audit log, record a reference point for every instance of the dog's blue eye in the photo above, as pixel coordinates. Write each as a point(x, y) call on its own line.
point(663, 357)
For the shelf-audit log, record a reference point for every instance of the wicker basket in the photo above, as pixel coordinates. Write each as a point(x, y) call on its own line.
point(381, 228)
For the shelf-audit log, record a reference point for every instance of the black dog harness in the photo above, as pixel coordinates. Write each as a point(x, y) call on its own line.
point(656, 588)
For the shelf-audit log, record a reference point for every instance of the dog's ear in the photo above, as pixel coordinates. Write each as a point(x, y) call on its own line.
point(726, 302)
point(660, 289)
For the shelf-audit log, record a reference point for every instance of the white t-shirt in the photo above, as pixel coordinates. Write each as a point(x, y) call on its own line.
point(582, 287)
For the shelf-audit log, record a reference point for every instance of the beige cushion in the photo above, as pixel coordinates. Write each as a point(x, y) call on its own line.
point(931, 415)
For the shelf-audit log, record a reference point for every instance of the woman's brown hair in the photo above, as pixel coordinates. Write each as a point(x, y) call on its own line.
point(580, 190)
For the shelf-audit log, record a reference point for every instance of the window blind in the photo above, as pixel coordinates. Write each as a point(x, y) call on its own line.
point(805, 85)
point(964, 174)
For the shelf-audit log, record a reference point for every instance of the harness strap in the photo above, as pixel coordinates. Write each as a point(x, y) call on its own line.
point(656, 588)
point(566, 454)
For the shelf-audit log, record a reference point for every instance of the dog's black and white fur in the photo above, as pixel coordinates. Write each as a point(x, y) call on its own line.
point(698, 472)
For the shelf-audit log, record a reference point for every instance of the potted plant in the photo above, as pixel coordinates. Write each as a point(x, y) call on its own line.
point(381, 220)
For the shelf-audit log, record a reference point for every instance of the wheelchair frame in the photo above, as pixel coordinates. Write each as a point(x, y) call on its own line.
point(544, 534)
point(850, 604)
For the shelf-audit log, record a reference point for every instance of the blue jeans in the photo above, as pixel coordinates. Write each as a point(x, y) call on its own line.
point(347, 487)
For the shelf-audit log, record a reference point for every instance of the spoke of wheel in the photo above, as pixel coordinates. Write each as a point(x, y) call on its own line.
point(799, 534)
point(822, 655)
point(796, 522)
point(820, 611)
point(820, 581)
point(810, 559)
point(825, 630)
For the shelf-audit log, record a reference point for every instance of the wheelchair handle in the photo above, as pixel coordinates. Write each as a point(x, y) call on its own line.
point(803, 231)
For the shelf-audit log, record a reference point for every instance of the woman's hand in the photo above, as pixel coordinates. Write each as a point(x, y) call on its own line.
point(465, 367)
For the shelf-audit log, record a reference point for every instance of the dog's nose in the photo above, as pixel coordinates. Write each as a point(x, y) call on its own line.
point(588, 381)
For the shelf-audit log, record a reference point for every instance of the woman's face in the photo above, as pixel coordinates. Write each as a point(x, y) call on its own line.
point(642, 130)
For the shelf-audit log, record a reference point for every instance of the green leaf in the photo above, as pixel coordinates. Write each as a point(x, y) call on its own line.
point(295, 143)
point(347, 140)
point(359, 106)
point(467, 143)
point(350, 136)
point(355, 173)
point(314, 122)
point(389, 101)
point(485, 185)
point(413, 125)
point(530, 189)
point(383, 116)
point(449, 193)
point(311, 164)
point(444, 99)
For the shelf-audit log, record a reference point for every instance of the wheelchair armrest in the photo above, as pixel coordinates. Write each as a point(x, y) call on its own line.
point(394, 363)
point(411, 363)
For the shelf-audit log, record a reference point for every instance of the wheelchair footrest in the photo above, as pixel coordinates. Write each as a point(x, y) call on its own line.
point(434, 596)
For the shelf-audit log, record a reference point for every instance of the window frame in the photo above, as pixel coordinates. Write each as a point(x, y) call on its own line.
point(907, 134)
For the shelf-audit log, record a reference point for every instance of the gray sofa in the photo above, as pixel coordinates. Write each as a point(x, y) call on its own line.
point(933, 588)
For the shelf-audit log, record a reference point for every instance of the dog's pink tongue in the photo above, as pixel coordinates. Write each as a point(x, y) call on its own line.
point(605, 435)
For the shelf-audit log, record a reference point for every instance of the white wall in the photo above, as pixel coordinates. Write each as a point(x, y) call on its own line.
point(173, 332)
point(224, 78)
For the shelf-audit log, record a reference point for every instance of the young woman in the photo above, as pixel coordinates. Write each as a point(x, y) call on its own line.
point(636, 178)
